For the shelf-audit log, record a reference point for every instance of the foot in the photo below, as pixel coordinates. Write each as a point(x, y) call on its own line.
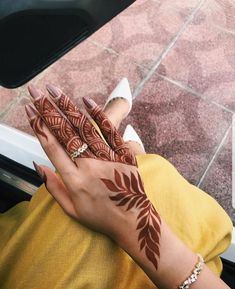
point(119, 103)
point(116, 110)
point(131, 137)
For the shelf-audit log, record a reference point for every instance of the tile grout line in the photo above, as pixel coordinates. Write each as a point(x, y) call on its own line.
point(112, 51)
point(168, 48)
point(192, 91)
point(214, 156)
point(10, 107)
point(225, 30)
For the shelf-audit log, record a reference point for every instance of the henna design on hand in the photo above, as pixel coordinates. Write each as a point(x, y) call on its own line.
point(89, 134)
point(112, 136)
point(84, 128)
point(130, 193)
point(37, 126)
point(35, 120)
point(72, 128)
point(59, 126)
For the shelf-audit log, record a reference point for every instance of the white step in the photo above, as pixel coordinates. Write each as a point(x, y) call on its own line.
point(21, 147)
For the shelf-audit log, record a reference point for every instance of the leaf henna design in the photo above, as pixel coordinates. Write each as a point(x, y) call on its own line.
point(130, 193)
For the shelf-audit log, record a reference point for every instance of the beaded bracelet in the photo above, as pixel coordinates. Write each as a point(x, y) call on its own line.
point(193, 277)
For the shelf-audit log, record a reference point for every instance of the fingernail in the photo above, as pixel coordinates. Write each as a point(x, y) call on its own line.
point(34, 91)
point(54, 91)
point(30, 110)
point(40, 172)
point(89, 102)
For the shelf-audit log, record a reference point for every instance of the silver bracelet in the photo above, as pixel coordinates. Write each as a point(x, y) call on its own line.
point(193, 277)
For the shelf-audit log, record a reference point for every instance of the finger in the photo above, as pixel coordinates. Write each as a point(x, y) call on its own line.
point(52, 148)
point(81, 123)
point(110, 133)
point(57, 123)
point(56, 188)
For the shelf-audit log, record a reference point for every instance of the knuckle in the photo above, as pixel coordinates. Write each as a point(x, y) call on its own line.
point(75, 185)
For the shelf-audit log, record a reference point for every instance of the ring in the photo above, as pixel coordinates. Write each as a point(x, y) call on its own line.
point(79, 151)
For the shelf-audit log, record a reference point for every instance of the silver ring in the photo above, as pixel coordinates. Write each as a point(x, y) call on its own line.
point(79, 151)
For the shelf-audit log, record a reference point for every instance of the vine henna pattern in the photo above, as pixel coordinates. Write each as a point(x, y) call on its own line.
point(130, 193)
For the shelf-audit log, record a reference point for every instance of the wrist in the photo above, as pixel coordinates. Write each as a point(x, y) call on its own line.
point(174, 255)
point(176, 258)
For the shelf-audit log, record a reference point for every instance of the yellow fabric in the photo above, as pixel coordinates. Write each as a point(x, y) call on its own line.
point(41, 247)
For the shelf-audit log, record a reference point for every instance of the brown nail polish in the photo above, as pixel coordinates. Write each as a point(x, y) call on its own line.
point(30, 111)
point(40, 172)
point(34, 91)
point(89, 102)
point(54, 91)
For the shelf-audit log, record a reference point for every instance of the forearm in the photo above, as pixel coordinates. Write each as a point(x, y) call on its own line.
point(175, 263)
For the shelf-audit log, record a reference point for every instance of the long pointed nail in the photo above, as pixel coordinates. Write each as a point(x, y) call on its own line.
point(54, 91)
point(30, 111)
point(90, 104)
point(34, 91)
point(40, 172)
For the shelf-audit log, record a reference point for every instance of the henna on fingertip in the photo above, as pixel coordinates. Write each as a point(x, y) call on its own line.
point(90, 103)
point(35, 93)
point(82, 125)
point(59, 125)
point(54, 91)
point(35, 120)
point(110, 133)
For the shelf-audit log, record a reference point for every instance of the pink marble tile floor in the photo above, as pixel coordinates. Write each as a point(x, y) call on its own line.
point(179, 56)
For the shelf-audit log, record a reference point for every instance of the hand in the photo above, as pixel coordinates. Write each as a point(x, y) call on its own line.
point(102, 187)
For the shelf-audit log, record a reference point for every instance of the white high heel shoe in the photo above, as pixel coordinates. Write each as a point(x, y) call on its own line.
point(131, 135)
point(122, 90)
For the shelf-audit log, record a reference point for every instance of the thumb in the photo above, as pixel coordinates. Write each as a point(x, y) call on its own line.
point(56, 188)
